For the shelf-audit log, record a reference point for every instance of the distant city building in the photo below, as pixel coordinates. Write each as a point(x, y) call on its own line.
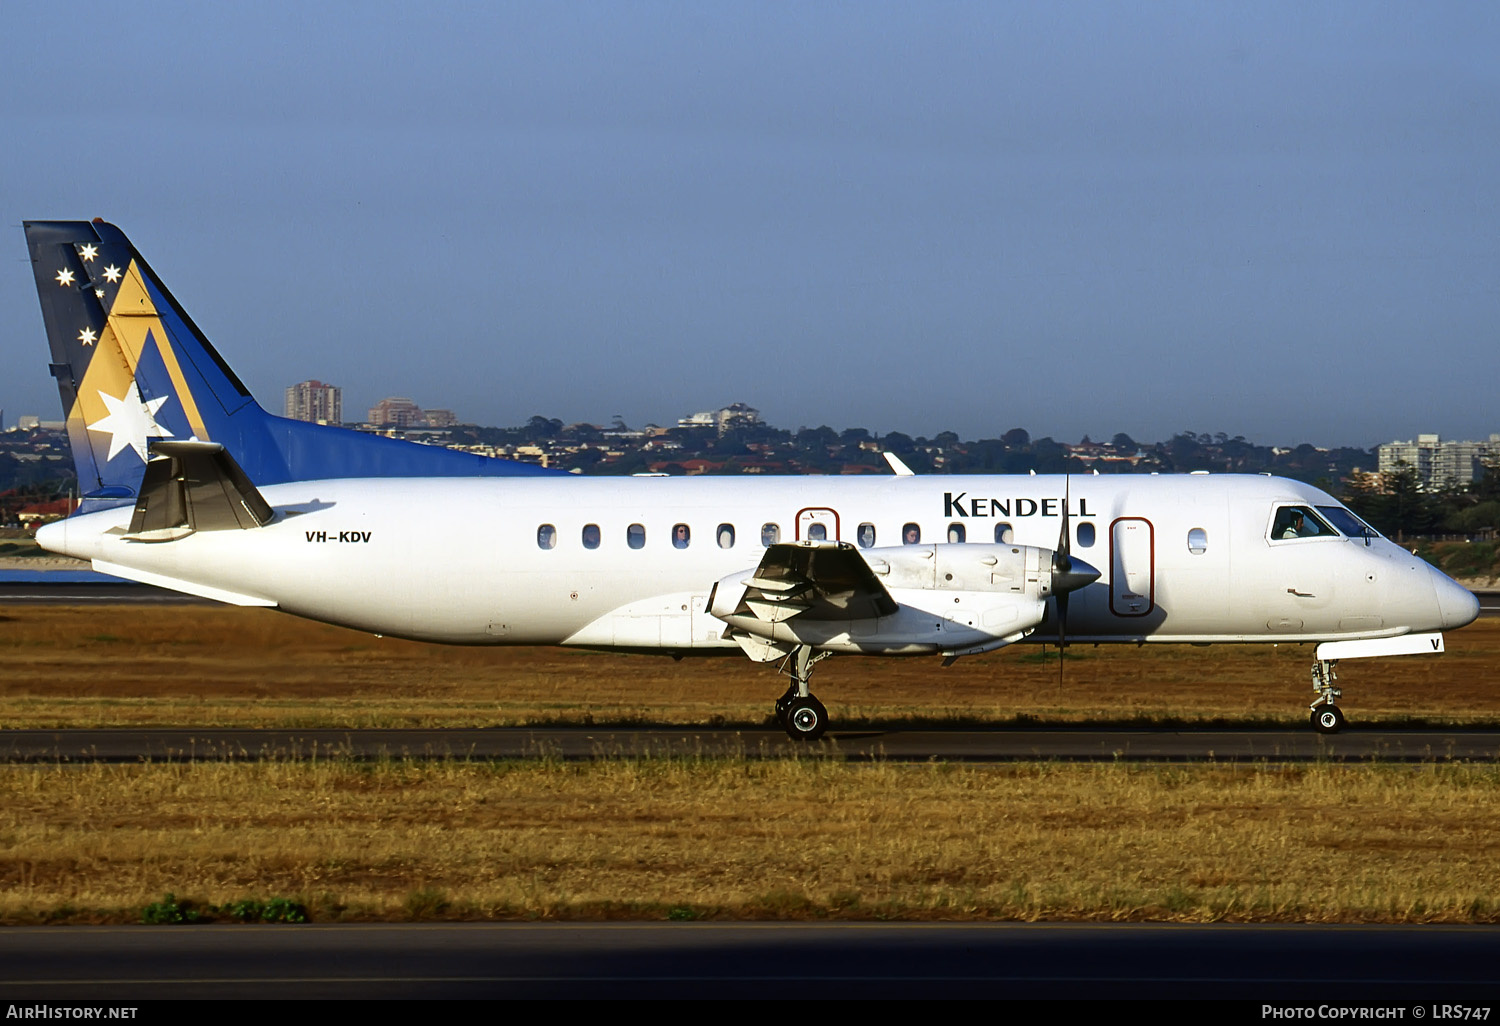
point(316, 402)
point(440, 418)
point(397, 411)
point(730, 417)
point(1437, 462)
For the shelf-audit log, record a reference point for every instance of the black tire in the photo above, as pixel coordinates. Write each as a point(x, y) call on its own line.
point(1327, 719)
point(805, 719)
point(783, 703)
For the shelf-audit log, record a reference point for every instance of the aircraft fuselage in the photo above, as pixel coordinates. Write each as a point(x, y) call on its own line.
point(600, 562)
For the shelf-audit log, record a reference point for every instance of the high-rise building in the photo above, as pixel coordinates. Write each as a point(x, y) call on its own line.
point(397, 411)
point(316, 402)
point(1439, 463)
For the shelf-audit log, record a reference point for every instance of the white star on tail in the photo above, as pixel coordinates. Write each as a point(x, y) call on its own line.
point(130, 422)
point(111, 274)
point(89, 252)
point(87, 336)
point(65, 277)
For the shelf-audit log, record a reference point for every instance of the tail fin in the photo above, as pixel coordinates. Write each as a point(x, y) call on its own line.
point(131, 365)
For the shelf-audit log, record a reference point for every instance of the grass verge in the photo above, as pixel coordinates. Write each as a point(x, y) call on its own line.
point(737, 839)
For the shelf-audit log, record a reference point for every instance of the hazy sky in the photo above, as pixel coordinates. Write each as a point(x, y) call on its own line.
point(1271, 219)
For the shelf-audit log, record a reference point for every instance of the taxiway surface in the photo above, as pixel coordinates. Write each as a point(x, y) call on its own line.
point(993, 745)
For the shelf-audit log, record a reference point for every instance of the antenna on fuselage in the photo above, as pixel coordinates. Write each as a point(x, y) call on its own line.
point(900, 469)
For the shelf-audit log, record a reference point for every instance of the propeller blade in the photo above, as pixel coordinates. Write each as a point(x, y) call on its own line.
point(1062, 564)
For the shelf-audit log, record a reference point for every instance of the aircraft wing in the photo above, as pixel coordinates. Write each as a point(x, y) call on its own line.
point(816, 581)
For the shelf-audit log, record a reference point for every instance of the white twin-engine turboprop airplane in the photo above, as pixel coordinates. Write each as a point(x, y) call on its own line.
point(192, 486)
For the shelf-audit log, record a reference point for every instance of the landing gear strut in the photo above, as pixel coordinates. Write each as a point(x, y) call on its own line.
point(803, 716)
point(1327, 718)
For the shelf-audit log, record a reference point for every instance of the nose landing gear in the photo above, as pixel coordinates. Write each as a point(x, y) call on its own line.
point(1327, 718)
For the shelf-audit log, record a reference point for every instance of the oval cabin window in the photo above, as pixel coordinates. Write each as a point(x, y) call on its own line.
point(1197, 541)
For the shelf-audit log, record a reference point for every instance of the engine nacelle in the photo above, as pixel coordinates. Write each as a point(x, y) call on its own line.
point(957, 599)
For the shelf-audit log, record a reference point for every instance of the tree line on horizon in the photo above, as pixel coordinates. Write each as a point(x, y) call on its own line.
point(1395, 503)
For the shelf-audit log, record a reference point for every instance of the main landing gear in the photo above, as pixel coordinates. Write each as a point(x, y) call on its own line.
point(1327, 718)
point(803, 716)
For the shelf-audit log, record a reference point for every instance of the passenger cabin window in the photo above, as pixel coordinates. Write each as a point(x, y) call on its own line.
point(770, 534)
point(956, 534)
point(681, 536)
point(1003, 534)
point(726, 536)
point(635, 536)
point(817, 532)
point(911, 534)
point(591, 536)
point(866, 536)
point(1085, 535)
point(1197, 541)
point(546, 537)
point(1299, 522)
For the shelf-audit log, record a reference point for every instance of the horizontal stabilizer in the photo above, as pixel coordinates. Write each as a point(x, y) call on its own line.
point(195, 486)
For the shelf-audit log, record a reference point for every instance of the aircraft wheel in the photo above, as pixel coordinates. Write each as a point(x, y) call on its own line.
point(806, 719)
point(1327, 719)
point(783, 703)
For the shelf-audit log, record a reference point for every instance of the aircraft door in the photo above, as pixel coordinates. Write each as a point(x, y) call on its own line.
point(818, 524)
point(1132, 567)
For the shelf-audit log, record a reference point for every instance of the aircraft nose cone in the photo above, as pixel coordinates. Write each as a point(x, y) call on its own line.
point(54, 536)
point(1078, 575)
point(1457, 604)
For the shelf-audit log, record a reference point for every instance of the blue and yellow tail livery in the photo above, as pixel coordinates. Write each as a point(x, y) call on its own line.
point(131, 366)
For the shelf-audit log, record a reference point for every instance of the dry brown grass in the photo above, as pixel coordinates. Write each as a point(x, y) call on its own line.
point(220, 666)
point(756, 839)
point(720, 838)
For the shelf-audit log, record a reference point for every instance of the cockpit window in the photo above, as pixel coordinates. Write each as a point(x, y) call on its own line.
point(1347, 522)
point(1299, 522)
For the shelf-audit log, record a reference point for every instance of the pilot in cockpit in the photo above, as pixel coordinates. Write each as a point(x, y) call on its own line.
point(1294, 526)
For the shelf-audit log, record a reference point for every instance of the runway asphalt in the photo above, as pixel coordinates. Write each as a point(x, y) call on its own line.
point(1305, 965)
point(993, 745)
